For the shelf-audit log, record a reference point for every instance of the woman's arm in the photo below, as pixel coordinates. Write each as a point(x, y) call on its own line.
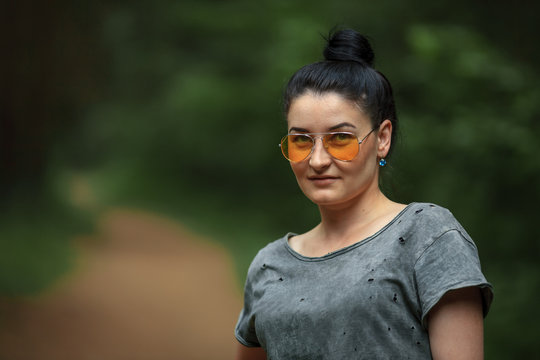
point(250, 353)
point(456, 326)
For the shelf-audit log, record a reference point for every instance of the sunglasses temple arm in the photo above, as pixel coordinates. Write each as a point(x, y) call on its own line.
point(365, 137)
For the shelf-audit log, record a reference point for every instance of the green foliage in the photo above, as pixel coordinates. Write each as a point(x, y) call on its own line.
point(31, 256)
point(36, 244)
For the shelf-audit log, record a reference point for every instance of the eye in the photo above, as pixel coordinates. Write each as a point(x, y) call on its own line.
point(299, 139)
point(341, 139)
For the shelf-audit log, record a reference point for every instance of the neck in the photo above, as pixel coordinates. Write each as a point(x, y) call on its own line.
point(357, 217)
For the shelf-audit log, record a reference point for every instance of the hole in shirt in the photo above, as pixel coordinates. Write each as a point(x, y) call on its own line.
point(418, 211)
point(401, 240)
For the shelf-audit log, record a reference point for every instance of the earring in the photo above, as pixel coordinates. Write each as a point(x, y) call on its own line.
point(382, 162)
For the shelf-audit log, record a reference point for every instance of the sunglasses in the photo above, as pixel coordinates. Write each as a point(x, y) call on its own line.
point(342, 146)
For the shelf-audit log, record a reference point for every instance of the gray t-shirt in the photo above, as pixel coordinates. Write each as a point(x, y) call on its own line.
point(366, 301)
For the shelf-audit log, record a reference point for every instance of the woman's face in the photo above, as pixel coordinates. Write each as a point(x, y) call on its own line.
point(323, 179)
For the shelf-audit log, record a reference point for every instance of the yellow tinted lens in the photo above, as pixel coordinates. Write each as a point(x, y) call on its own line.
point(296, 147)
point(342, 146)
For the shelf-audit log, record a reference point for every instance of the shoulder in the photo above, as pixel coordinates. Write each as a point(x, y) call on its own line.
point(274, 248)
point(425, 223)
point(430, 211)
point(269, 254)
point(432, 218)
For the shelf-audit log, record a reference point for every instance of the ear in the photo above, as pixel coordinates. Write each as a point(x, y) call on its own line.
point(384, 138)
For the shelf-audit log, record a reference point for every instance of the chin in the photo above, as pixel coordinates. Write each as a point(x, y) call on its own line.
point(326, 199)
point(330, 197)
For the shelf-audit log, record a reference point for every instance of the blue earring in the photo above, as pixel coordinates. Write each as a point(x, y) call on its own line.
point(382, 162)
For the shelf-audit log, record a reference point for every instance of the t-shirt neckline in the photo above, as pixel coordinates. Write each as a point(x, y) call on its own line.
point(344, 249)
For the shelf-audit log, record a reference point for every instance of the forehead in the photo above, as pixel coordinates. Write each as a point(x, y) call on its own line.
point(319, 112)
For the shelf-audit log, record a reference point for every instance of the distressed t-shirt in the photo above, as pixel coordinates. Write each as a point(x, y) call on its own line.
point(366, 301)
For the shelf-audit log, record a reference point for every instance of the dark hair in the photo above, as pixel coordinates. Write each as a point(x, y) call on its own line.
point(347, 70)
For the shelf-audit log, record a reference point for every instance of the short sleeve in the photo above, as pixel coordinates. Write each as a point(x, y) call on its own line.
point(245, 327)
point(450, 262)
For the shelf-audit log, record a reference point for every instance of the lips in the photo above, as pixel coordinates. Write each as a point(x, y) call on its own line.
point(323, 180)
point(321, 177)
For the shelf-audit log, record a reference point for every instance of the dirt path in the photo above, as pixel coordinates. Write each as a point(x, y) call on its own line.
point(144, 289)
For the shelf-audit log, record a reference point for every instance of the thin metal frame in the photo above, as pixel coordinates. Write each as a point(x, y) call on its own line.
point(321, 136)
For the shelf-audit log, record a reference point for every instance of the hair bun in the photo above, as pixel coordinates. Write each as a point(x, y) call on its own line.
point(348, 45)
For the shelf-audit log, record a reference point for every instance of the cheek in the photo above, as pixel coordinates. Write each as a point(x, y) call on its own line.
point(299, 171)
point(297, 168)
point(362, 168)
point(367, 157)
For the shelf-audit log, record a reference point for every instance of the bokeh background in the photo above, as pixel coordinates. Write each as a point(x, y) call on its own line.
point(174, 108)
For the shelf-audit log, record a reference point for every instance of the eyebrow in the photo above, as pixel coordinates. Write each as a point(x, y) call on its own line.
point(343, 124)
point(340, 125)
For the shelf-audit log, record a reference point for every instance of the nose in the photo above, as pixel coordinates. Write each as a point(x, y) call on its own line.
point(320, 158)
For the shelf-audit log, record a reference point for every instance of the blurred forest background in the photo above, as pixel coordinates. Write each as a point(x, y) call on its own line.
point(175, 107)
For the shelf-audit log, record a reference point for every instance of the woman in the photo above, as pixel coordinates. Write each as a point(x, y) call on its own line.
point(375, 279)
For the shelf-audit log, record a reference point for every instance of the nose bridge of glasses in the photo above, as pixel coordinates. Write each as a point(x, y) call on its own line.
point(322, 138)
point(319, 150)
